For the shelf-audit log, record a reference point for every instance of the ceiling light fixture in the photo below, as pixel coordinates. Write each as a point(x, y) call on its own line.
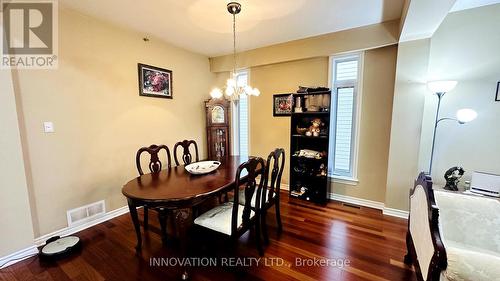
point(233, 90)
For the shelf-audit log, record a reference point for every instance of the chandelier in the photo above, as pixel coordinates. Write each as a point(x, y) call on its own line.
point(233, 89)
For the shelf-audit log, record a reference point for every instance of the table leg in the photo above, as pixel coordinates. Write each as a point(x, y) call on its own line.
point(135, 220)
point(182, 221)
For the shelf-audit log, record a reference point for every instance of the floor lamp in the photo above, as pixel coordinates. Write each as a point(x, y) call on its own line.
point(440, 88)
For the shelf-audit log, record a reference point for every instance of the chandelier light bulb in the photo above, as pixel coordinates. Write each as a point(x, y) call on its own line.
point(231, 83)
point(216, 93)
point(229, 91)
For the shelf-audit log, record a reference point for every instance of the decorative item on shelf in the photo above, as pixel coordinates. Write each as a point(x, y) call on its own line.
point(233, 90)
point(282, 104)
point(154, 81)
point(315, 128)
point(440, 88)
point(452, 177)
point(298, 104)
point(303, 89)
point(497, 96)
point(217, 114)
point(301, 131)
point(308, 153)
point(322, 170)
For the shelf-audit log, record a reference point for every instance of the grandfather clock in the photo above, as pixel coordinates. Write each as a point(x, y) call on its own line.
point(218, 133)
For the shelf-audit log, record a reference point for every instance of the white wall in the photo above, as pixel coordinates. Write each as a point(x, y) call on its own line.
point(466, 48)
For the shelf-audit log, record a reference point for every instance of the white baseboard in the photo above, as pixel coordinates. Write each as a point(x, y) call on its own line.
point(363, 202)
point(357, 201)
point(79, 227)
point(18, 256)
point(27, 252)
point(396, 213)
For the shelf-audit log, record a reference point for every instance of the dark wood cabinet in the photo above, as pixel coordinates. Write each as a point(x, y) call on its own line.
point(309, 146)
point(218, 128)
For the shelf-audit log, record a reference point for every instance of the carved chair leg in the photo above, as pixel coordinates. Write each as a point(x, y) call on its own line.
point(408, 257)
point(278, 215)
point(162, 217)
point(145, 222)
point(257, 237)
point(264, 226)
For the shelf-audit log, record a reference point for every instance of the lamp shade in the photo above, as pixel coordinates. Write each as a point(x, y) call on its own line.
point(441, 86)
point(466, 115)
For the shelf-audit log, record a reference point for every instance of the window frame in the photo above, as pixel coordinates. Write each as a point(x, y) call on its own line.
point(352, 177)
point(235, 117)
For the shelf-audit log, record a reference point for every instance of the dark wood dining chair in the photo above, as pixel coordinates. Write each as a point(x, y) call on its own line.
point(233, 219)
point(187, 157)
point(274, 170)
point(271, 191)
point(155, 166)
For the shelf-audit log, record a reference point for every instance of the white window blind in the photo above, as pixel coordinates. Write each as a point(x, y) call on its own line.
point(343, 129)
point(344, 81)
point(242, 81)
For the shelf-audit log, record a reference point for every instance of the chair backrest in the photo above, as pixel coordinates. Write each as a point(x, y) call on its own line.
point(187, 157)
point(275, 164)
point(155, 165)
point(254, 167)
point(423, 226)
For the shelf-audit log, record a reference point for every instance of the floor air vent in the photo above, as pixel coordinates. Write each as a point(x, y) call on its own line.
point(85, 213)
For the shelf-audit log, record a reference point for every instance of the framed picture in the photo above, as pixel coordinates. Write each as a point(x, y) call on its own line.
point(282, 105)
point(497, 97)
point(154, 81)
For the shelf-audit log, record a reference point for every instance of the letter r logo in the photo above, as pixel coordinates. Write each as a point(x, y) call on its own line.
point(28, 28)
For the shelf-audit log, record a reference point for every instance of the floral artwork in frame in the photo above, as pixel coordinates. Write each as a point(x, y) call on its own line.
point(282, 105)
point(154, 81)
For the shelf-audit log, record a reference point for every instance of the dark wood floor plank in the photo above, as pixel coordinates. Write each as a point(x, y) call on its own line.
point(374, 245)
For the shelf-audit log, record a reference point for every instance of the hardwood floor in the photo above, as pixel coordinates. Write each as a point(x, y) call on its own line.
point(372, 244)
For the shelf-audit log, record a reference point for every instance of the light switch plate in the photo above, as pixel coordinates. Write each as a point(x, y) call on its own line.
point(48, 127)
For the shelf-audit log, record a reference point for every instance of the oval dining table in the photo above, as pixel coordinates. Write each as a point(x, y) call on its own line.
point(176, 189)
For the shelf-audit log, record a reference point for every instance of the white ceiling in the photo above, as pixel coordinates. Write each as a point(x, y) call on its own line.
point(469, 4)
point(205, 26)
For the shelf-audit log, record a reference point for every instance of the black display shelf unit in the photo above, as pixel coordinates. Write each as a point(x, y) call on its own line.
point(308, 176)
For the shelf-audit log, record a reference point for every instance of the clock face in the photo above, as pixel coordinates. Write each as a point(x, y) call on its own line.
point(218, 114)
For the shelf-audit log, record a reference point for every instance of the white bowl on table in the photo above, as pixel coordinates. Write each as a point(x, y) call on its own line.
point(203, 167)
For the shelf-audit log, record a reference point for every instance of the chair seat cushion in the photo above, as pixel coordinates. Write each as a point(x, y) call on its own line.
point(241, 197)
point(219, 218)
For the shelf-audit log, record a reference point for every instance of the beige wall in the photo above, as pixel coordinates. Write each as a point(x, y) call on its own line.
point(408, 104)
point(376, 111)
point(268, 132)
point(465, 49)
point(15, 216)
point(356, 39)
point(100, 120)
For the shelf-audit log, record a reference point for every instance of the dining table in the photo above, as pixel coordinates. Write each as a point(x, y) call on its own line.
point(176, 189)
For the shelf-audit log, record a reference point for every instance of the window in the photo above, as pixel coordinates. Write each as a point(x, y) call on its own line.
point(240, 118)
point(345, 77)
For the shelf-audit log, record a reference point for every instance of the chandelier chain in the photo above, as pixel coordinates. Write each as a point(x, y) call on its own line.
point(234, 43)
